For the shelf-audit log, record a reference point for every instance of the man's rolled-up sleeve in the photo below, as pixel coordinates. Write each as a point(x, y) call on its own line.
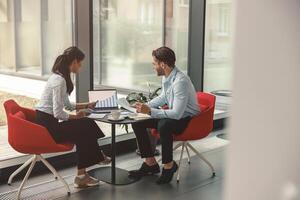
point(158, 101)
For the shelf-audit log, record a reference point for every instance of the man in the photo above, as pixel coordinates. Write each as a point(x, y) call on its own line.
point(179, 94)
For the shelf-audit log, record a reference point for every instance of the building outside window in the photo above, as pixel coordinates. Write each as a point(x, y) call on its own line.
point(33, 33)
point(218, 35)
point(125, 35)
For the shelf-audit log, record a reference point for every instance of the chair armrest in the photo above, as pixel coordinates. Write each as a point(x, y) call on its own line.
point(29, 113)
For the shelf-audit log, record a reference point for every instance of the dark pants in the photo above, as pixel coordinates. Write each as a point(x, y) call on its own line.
point(83, 132)
point(166, 128)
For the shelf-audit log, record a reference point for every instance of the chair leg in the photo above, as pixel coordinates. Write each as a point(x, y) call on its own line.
point(202, 158)
point(26, 176)
point(177, 146)
point(19, 170)
point(188, 153)
point(56, 174)
point(178, 171)
point(174, 148)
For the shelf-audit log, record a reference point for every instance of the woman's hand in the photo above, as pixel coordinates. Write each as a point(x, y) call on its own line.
point(80, 114)
point(92, 105)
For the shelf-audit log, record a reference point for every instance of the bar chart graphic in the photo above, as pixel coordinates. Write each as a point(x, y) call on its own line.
point(108, 102)
point(104, 98)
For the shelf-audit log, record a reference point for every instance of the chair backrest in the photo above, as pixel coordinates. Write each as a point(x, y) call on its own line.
point(12, 109)
point(201, 125)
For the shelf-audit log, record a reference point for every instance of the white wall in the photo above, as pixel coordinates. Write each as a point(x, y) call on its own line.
point(264, 156)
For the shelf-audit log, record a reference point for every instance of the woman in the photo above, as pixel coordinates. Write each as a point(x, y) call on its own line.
point(64, 127)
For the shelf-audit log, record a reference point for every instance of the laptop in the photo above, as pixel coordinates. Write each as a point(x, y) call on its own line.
point(107, 100)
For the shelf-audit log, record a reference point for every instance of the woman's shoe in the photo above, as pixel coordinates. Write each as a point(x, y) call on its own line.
point(85, 181)
point(106, 161)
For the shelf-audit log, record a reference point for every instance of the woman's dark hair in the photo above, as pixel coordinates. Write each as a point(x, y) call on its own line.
point(166, 55)
point(62, 63)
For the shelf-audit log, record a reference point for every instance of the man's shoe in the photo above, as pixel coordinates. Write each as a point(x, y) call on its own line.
point(144, 171)
point(167, 174)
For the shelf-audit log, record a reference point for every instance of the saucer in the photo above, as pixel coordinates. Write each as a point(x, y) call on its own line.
point(121, 118)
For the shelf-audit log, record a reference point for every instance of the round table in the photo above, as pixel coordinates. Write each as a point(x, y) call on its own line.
point(114, 175)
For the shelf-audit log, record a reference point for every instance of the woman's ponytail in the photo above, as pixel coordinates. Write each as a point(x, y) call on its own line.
point(62, 63)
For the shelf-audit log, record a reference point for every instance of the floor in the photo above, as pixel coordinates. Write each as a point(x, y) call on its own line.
point(195, 183)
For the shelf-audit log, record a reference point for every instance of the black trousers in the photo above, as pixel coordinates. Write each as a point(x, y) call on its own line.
point(166, 128)
point(83, 132)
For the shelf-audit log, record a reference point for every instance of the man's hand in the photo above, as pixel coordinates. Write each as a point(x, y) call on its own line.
point(142, 108)
point(92, 105)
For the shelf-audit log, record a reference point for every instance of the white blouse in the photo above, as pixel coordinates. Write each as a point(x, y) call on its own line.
point(55, 98)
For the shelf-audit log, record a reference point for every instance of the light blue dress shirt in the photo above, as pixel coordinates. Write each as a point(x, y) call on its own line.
point(179, 94)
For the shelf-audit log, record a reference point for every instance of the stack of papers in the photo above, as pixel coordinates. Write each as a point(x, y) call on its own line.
point(124, 103)
point(96, 115)
point(139, 116)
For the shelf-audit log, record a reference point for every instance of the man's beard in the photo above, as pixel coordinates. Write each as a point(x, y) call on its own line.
point(160, 72)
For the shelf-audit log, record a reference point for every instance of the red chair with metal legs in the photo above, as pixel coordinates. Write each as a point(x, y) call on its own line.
point(29, 138)
point(199, 127)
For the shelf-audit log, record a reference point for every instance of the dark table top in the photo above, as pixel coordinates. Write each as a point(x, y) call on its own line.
point(125, 121)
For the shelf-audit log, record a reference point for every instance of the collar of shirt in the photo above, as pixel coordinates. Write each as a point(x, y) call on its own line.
point(171, 76)
point(58, 73)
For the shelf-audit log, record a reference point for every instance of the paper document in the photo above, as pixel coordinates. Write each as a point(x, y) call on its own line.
point(124, 103)
point(139, 116)
point(96, 115)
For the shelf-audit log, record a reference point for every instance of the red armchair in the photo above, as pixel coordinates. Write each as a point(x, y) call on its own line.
point(29, 138)
point(199, 127)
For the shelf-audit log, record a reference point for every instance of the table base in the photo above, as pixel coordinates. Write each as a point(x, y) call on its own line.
point(104, 174)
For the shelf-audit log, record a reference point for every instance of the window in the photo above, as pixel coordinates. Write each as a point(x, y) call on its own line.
point(224, 19)
point(3, 11)
point(184, 3)
point(217, 59)
point(177, 18)
point(125, 35)
point(33, 33)
point(28, 42)
point(57, 30)
point(6, 37)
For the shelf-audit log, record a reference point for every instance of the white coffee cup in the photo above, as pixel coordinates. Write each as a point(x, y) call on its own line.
point(115, 114)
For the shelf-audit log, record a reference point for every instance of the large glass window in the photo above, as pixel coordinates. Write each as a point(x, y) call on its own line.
point(125, 35)
point(33, 33)
point(57, 30)
point(177, 16)
point(218, 35)
point(28, 38)
point(6, 36)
